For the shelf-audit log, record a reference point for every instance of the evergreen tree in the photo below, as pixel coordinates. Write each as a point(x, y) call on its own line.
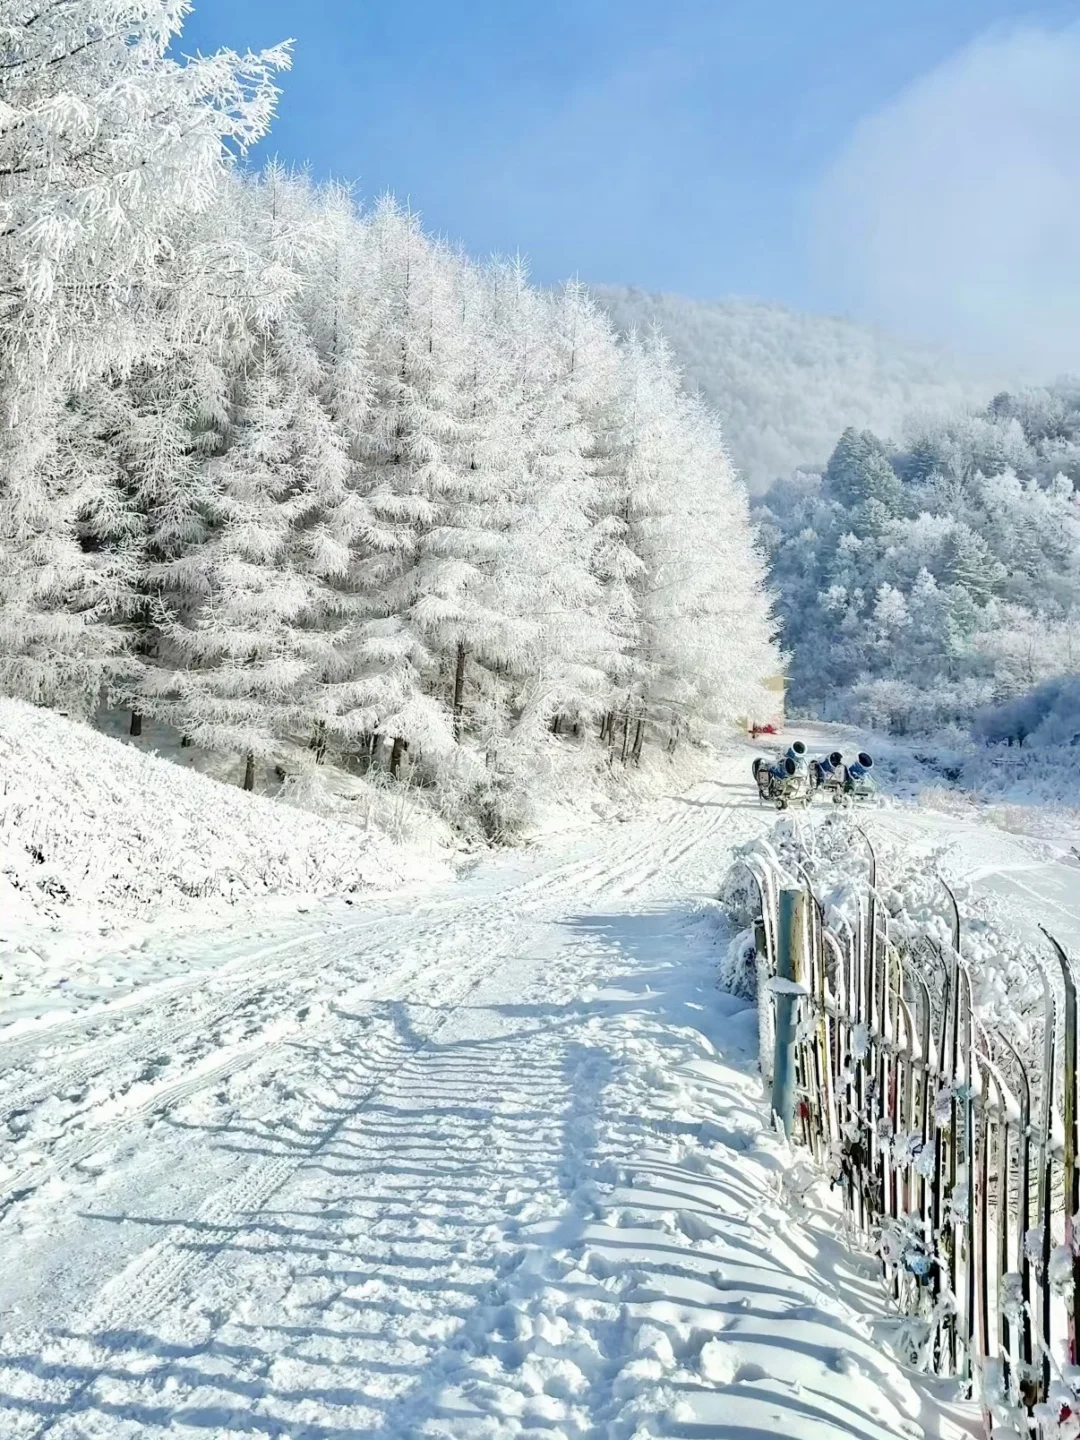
point(859, 474)
point(107, 145)
point(242, 652)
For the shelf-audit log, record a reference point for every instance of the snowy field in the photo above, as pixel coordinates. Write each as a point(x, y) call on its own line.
point(485, 1160)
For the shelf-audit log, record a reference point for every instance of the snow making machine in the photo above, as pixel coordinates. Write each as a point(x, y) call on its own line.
point(860, 784)
point(828, 773)
point(785, 781)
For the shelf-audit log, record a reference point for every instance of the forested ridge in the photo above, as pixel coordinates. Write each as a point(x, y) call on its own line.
point(786, 384)
point(921, 582)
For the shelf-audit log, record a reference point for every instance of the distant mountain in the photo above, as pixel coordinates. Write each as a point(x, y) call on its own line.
point(786, 384)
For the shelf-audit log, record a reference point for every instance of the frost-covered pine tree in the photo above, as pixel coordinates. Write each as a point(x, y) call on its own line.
point(583, 638)
point(681, 562)
point(233, 271)
point(464, 571)
point(635, 480)
point(242, 661)
point(346, 692)
point(106, 144)
point(406, 454)
point(532, 555)
point(707, 602)
point(247, 614)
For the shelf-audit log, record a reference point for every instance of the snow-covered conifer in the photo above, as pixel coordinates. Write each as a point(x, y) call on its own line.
point(106, 144)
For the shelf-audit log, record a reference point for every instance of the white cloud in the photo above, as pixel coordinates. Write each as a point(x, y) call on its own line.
point(954, 212)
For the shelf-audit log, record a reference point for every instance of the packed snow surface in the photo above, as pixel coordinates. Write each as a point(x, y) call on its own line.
point(487, 1160)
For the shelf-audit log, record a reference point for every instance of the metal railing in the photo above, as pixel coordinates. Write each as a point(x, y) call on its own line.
point(956, 1155)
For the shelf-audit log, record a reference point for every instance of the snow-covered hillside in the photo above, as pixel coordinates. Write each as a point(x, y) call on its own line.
point(786, 384)
point(99, 840)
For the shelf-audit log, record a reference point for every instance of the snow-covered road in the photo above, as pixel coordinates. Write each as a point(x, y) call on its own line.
point(484, 1161)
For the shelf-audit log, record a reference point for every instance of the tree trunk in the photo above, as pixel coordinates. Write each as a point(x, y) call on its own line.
point(639, 734)
point(318, 741)
point(555, 724)
point(459, 688)
point(625, 734)
point(396, 752)
point(186, 742)
point(249, 772)
point(135, 727)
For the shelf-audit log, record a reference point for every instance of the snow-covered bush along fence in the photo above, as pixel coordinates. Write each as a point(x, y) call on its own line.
point(950, 1120)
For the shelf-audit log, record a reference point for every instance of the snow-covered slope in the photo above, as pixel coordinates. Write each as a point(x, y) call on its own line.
point(485, 1162)
point(96, 836)
point(786, 384)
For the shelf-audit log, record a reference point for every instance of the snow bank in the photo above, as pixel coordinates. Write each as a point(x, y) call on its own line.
point(94, 834)
point(955, 772)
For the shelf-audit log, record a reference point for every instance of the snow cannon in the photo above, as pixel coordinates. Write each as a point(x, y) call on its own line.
point(827, 772)
point(783, 782)
point(860, 783)
point(797, 750)
point(827, 765)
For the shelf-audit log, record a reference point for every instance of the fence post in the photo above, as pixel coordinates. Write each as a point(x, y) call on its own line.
point(788, 966)
point(763, 974)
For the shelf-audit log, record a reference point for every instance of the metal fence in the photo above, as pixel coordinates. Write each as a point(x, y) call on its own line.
point(956, 1156)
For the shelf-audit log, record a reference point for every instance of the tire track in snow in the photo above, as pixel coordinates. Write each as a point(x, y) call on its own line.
point(145, 1096)
point(252, 1191)
point(160, 1275)
point(476, 925)
point(622, 869)
point(146, 1053)
point(587, 879)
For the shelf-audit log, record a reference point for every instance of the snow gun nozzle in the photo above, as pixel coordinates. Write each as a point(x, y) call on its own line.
point(836, 759)
point(790, 764)
point(797, 748)
point(862, 766)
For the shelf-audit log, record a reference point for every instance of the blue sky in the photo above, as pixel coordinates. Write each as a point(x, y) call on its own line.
point(672, 144)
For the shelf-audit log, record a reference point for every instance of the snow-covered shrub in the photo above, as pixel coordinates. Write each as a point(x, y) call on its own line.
point(1006, 989)
point(738, 967)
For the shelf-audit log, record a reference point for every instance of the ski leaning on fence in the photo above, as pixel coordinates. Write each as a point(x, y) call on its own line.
point(958, 1161)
